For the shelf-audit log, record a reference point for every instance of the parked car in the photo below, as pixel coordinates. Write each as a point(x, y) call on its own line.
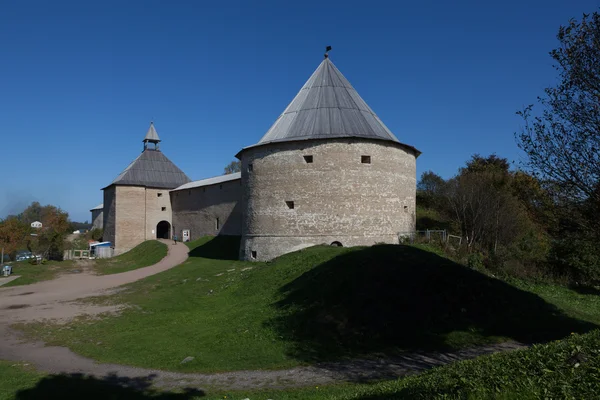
point(23, 255)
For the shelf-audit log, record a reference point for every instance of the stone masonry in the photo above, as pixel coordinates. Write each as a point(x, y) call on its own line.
point(208, 210)
point(353, 192)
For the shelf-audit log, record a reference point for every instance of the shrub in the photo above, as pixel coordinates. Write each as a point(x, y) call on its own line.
point(476, 261)
point(578, 258)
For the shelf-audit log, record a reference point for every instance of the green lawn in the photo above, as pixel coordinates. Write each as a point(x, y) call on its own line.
point(14, 377)
point(36, 273)
point(569, 368)
point(143, 255)
point(318, 304)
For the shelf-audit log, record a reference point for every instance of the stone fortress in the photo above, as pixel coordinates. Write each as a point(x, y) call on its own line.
point(327, 172)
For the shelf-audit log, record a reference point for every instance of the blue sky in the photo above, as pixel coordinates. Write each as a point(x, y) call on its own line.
point(80, 81)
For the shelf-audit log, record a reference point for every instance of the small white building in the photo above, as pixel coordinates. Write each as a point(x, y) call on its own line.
point(36, 224)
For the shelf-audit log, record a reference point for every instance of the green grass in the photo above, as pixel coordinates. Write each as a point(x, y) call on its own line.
point(143, 255)
point(319, 304)
point(566, 369)
point(14, 377)
point(430, 218)
point(36, 273)
point(20, 382)
point(569, 368)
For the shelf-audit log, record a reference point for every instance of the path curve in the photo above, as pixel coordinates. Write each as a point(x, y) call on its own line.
point(55, 300)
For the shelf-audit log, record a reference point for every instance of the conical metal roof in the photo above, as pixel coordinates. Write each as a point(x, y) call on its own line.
point(151, 135)
point(152, 169)
point(327, 107)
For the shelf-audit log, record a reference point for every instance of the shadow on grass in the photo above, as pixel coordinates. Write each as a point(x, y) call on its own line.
point(79, 386)
point(585, 289)
point(219, 247)
point(391, 297)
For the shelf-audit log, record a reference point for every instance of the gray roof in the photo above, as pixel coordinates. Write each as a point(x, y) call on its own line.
point(152, 169)
point(151, 135)
point(210, 181)
point(327, 107)
point(98, 207)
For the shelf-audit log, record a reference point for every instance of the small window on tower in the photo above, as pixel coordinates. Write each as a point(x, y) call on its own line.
point(159, 194)
point(365, 159)
point(250, 167)
point(217, 224)
point(253, 254)
point(290, 204)
point(163, 209)
point(406, 209)
point(308, 159)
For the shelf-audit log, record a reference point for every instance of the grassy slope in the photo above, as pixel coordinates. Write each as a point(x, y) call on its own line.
point(569, 368)
point(145, 254)
point(15, 377)
point(36, 273)
point(318, 304)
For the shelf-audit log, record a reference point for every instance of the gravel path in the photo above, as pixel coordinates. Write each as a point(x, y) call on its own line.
point(55, 300)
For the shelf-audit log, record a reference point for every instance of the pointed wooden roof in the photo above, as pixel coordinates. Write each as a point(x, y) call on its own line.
point(327, 107)
point(152, 168)
point(151, 135)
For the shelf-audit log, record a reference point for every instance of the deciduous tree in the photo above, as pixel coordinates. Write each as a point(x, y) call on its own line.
point(562, 142)
point(234, 166)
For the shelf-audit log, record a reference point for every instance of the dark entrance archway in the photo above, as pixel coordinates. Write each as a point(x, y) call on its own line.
point(163, 230)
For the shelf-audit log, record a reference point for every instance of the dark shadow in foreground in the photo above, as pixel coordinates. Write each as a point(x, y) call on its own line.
point(79, 386)
point(585, 289)
point(388, 298)
point(219, 248)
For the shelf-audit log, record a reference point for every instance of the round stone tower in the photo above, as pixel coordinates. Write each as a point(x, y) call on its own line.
point(327, 172)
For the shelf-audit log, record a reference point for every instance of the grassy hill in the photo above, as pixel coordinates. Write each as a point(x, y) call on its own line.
point(318, 304)
point(143, 255)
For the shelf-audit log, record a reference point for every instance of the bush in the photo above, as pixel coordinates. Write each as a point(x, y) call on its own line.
point(95, 234)
point(476, 261)
point(577, 258)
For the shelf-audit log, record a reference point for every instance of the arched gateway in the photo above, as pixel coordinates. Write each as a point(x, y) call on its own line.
point(163, 230)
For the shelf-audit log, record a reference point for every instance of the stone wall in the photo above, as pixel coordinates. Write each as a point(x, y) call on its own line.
point(109, 214)
point(130, 217)
point(158, 208)
point(97, 219)
point(198, 209)
point(336, 198)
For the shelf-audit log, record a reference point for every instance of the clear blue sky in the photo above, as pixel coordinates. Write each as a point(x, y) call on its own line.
point(81, 80)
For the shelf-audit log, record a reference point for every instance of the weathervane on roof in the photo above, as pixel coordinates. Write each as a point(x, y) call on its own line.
point(327, 50)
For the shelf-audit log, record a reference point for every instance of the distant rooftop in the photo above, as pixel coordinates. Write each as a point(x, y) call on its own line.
point(98, 207)
point(210, 181)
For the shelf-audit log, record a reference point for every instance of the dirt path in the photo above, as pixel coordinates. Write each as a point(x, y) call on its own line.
point(55, 300)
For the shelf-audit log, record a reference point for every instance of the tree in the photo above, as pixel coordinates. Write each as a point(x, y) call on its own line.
point(429, 189)
point(563, 143)
point(13, 234)
point(491, 163)
point(234, 166)
point(31, 213)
